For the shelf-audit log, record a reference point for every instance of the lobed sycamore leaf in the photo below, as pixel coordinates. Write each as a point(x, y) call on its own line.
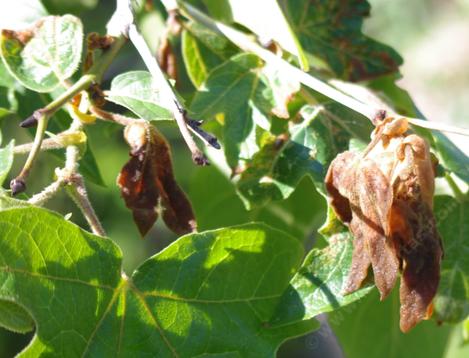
point(238, 94)
point(331, 31)
point(276, 169)
point(264, 18)
point(318, 286)
point(211, 293)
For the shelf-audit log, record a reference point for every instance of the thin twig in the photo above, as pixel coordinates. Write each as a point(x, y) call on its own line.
point(77, 191)
point(166, 91)
point(40, 198)
point(245, 42)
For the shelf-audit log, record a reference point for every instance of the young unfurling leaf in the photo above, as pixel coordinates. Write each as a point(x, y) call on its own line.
point(148, 185)
point(386, 198)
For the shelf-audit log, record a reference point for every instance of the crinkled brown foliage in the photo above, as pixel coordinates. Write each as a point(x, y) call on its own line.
point(148, 185)
point(385, 195)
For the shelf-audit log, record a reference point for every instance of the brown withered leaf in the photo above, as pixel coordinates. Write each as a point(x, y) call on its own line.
point(385, 195)
point(148, 185)
point(167, 59)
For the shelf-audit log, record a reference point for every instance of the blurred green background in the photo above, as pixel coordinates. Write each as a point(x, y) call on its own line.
point(431, 35)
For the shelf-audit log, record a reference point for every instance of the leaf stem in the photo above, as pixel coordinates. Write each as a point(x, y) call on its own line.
point(83, 83)
point(246, 43)
point(110, 116)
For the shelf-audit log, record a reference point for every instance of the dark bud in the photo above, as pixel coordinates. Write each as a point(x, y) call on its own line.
point(379, 116)
point(200, 159)
point(29, 122)
point(17, 186)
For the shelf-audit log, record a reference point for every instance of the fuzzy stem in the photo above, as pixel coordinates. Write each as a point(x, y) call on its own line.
point(47, 144)
point(40, 198)
point(77, 191)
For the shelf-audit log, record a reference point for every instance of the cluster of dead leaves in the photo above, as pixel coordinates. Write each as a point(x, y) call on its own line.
point(385, 195)
point(148, 185)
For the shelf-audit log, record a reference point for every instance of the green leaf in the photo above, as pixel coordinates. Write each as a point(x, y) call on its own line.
point(317, 286)
point(8, 102)
point(465, 330)
point(22, 15)
point(136, 91)
point(207, 293)
point(451, 156)
point(47, 59)
point(275, 171)
point(265, 19)
point(211, 193)
point(452, 300)
point(15, 318)
point(457, 346)
point(89, 167)
point(370, 328)
point(234, 93)
point(203, 50)
point(69, 6)
point(6, 160)
point(6, 80)
point(331, 32)
point(283, 89)
point(327, 130)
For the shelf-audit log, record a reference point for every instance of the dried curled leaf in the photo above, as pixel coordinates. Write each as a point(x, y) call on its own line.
point(386, 197)
point(148, 185)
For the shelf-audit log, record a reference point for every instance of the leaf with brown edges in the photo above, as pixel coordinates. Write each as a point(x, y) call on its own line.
point(148, 185)
point(385, 196)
